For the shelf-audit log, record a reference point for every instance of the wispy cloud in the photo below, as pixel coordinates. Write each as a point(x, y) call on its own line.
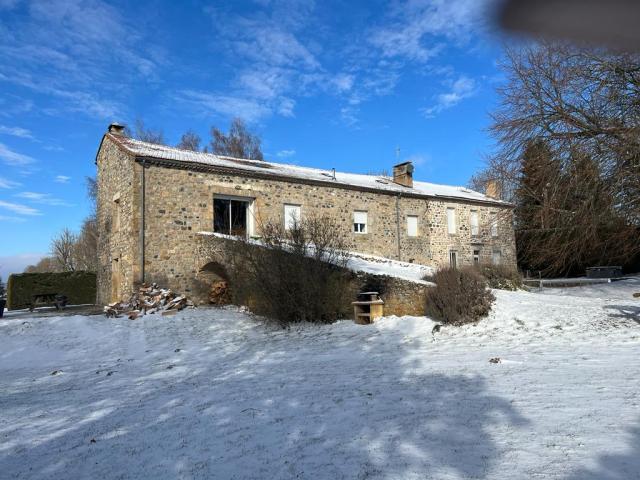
point(6, 183)
point(285, 153)
point(8, 218)
point(10, 157)
point(53, 49)
point(19, 208)
point(16, 132)
point(43, 198)
point(463, 87)
point(62, 179)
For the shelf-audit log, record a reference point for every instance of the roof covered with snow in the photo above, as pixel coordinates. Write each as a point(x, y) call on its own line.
point(268, 169)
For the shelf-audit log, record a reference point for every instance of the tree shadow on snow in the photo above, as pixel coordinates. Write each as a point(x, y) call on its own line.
point(260, 403)
point(629, 312)
point(623, 466)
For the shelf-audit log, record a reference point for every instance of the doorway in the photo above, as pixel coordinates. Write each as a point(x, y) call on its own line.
point(231, 216)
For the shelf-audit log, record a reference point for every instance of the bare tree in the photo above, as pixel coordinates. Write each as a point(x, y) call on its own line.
point(238, 143)
point(190, 141)
point(582, 105)
point(86, 246)
point(144, 134)
point(63, 250)
point(46, 264)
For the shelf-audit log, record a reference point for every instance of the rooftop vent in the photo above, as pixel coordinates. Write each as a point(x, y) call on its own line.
point(403, 174)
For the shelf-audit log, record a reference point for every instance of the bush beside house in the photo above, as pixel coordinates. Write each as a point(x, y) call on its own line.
point(460, 296)
point(79, 287)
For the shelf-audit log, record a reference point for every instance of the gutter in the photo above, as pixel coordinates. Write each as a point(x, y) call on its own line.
point(398, 223)
point(142, 221)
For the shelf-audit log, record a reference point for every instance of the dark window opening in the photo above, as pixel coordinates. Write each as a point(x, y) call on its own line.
point(453, 259)
point(230, 217)
point(476, 257)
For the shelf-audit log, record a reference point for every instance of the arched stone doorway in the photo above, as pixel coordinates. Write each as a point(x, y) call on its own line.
point(213, 284)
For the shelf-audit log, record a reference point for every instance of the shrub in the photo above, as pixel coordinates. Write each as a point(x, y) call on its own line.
point(459, 297)
point(79, 287)
point(294, 275)
point(502, 277)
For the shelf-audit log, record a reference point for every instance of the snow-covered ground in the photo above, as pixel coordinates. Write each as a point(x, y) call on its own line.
point(214, 393)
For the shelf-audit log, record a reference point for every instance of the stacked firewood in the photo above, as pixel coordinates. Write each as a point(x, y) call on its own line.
point(147, 300)
point(219, 293)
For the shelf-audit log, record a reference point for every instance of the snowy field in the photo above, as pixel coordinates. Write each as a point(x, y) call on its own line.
point(216, 394)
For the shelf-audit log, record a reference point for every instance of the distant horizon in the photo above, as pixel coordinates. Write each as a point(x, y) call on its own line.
point(324, 85)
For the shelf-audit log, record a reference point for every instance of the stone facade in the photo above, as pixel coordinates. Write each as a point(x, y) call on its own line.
point(178, 203)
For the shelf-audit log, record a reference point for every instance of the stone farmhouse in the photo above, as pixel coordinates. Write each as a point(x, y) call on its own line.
point(154, 200)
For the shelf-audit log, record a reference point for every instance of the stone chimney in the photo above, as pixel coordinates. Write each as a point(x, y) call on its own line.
point(493, 189)
point(116, 129)
point(403, 174)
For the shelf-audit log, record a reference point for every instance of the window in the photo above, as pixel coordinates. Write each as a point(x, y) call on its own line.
point(453, 259)
point(473, 221)
point(360, 222)
point(476, 257)
point(412, 226)
point(292, 216)
point(496, 258)
point(451, 220)
point(494, 225)
point(230, 216)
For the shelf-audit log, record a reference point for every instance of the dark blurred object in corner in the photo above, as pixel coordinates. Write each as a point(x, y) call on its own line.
point(609, 23)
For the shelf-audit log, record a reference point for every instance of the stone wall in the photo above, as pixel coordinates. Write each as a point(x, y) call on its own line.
point(401, 297)
point(179, 203)
point(118, 214)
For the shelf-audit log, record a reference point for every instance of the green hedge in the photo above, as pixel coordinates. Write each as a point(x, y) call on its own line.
point(79, 287)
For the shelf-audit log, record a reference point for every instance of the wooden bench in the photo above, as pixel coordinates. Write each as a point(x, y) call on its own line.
point(42, 299)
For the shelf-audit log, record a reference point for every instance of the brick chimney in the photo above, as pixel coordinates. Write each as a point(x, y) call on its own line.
point(403, 174)
point(493, 189)
point(116, 129)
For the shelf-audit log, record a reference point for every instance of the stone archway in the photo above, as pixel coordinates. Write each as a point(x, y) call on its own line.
point(213, 284)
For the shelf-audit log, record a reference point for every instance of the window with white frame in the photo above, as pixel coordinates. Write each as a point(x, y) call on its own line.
point(494, 225)
point(451, 220)
point(473, 221)
point(292, 216)
point(412, 225)
point(360, 222)
point(496, 257)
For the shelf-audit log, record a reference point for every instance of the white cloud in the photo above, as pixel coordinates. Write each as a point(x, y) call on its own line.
point(418, 27)
point(206, 103)
point(14, 158)
point(463, 87)
point(16, 132)
point(6, 183)
point(62, 179)
point(417, 159)
point(285, 153)
point(19, 208)
point(43, 198)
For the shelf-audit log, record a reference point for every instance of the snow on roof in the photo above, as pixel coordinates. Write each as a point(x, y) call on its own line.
point(380, 183)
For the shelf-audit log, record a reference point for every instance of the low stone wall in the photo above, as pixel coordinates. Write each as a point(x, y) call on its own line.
point(401, 297)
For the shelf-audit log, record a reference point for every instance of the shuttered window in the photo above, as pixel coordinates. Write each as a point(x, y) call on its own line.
point(360, 222)
point(473, 220)
point(412, 226)
point(451, 220)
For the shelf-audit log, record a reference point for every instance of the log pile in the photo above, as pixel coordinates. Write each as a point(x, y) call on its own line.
point(219, 293)
point(147, 300)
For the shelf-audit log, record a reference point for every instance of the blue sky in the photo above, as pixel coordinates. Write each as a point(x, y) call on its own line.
point(327, 84)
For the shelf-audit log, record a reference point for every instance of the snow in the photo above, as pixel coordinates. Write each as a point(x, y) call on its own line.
point(216, 393)
point(363, 262)
point(385, 184)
